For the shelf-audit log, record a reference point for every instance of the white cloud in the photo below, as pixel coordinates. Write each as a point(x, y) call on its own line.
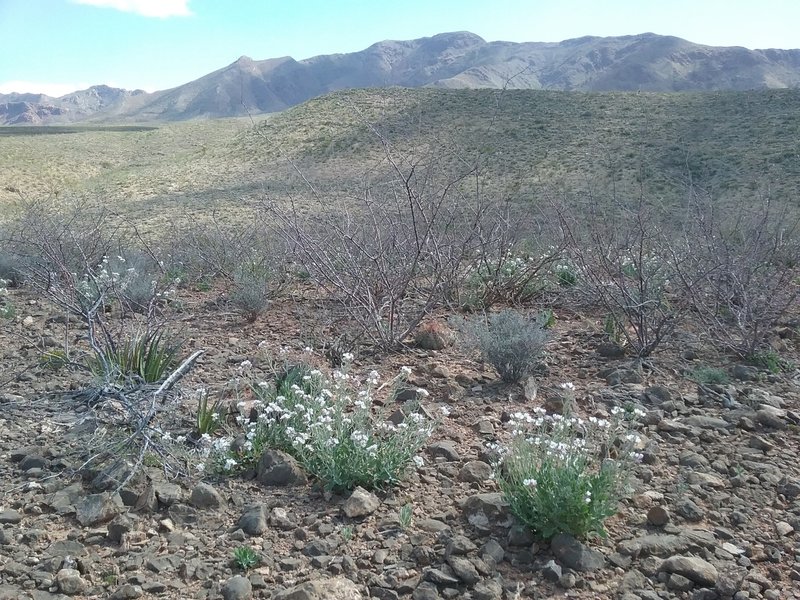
point(41, 87)
point(145, 8)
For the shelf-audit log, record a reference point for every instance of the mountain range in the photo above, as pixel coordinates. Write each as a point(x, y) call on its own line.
point(460, 60)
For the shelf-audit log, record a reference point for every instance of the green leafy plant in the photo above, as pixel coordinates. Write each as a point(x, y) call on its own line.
point(710, 376)
point(406, 515)
point(509, 340)
point(148, 356)
point(566, 274)
point(547, 318)
point(203, 285)
point(346, 532)
point(245, 557)
point(564, 474)
point(769, 360)
point(151, 459)
point(7, 310)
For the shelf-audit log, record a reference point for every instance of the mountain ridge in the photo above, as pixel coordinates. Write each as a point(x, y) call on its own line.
point(645, 62)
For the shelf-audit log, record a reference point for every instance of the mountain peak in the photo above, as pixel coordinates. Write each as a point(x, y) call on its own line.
point(460, 37)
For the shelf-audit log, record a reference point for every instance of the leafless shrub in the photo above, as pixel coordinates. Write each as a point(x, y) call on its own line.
point(397, 250)
point(217, 248)
point(740, 269)
point(621, 249)
point(128, 428)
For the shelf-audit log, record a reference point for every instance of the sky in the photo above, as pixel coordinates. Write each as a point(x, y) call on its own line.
point(59, 46)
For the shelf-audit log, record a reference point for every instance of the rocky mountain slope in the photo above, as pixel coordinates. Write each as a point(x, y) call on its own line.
point(646, 62)
point(38, 109)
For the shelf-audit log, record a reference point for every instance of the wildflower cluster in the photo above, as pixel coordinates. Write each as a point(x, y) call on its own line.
point(328, 424)
point(119, 278)
point(6, 308)
point(565, 474)
point(566, 273)
point(510, 278)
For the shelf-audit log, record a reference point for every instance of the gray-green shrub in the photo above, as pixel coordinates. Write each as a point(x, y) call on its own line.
point(509, 340)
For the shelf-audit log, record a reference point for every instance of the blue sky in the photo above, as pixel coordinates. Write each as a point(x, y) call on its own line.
point(57, 46)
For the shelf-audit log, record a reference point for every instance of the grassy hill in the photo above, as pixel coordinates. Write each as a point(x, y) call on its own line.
point(730, 143)
point(734, 144)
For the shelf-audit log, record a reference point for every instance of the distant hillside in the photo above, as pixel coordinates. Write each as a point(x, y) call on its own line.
point(646, 62)
point(39, 109)
point(529, 144)
point(730, 144)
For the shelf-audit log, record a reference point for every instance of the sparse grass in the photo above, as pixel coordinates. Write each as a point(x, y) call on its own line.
point(770, 360)
point(54, 360)
point(710, 376)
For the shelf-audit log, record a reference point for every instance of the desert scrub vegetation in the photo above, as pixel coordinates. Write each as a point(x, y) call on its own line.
point(565, 474)
point(396, 252)
point(252, 289)
point(621, 249)
point(511, 341)
point(534, 139)
point(740, 275)
point(75, 258)
point(519, 258)
point(329, 424)
point(145, 356)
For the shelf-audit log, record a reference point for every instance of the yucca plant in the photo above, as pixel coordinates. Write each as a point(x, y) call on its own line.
point(209, 417)
point(147, 356)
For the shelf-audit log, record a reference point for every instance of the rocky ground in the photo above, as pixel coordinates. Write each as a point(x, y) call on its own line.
point(714, 513)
